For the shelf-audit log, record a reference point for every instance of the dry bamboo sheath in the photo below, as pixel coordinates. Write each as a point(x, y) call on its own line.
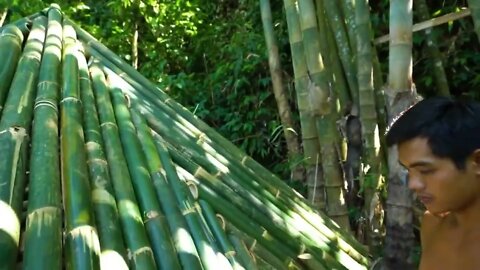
point(100, 169)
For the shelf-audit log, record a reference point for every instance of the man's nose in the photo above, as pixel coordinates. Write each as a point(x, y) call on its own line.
point(415, 183)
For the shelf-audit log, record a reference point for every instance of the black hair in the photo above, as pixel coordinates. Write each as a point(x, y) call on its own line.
point(452, 127)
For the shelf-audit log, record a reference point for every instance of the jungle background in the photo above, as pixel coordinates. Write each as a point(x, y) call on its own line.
point(212, 57)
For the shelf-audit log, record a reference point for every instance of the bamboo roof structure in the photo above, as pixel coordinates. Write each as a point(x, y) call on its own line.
point(100, 169)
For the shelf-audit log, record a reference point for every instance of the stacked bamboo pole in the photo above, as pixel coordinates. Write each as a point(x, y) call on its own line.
point(131, 178)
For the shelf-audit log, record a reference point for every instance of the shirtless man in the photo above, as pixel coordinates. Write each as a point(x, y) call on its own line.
point(439, 144)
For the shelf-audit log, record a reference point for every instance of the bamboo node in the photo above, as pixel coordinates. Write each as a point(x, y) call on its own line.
point(46, 103)
point(108, 124)
point(74, 99)
point(230, 253)
point(151, 215)
point(202, 137)
point(188, 211)
point(142, 250)
point(252, 247)
point(244, 159)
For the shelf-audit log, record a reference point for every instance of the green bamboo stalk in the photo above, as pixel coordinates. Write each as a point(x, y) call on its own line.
point(22, 90)
point(337, 23)
point(311, 148)
point(474, 6)
point(182, 237)
point(13, 146)
point(348, 10)
point(372, 155)
point(219, 234)
point(399, 240)
point(330, 49)
point(152, 215)
point(113, 252)
point(244, 256)
point(81, 243)
point(281, 98)
point(14, 127)
point(188, 208)
point(321, 98)
point(44, 220)
point(11, 41)
point(441, 81)
point(25, 24)
point(140, 255)
point(260, 252)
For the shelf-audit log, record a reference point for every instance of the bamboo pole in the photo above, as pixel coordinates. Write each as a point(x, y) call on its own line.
point(14, 130)
point(182, 237)
point(372, 155)
point(140, 255)
point(152, 215)
point(430, 23)
point(44, 220)
point(441, 81)
point(82, 247)
point(400, 96)
point(346, 56)
point(11, 41)
point(311, 147)
point(113, 251)
point(188, 207)
point(279, 91)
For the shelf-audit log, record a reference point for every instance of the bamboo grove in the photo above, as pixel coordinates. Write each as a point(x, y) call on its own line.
point(344, 107)
point(100, 169)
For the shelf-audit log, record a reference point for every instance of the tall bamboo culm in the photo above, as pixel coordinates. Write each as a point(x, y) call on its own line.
point(14, 131)
point(439, 75)
point(82, 246)
point(321, 99)
point(113, 251)
point(281, 97)
point(11, 39)
point(136, 239)
point(44, 215)
point(372, 155)
point(311, 147)
point(400, 95)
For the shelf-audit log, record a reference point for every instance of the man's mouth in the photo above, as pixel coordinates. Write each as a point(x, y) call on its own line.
point(425, 199)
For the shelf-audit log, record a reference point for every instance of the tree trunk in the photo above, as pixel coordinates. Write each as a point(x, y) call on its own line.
point(336, 22)
point(279, 92)
point(441, 81)
point(311, 148)
point(400, 94)
point(372, 157)
point(322, 101)
point(135, 46)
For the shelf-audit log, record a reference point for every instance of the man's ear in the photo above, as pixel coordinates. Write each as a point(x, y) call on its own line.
point(475, 158)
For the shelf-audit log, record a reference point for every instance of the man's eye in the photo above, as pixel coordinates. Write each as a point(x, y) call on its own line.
point(426, 171)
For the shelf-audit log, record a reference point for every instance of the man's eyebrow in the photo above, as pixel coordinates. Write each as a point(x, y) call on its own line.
point(417, 164)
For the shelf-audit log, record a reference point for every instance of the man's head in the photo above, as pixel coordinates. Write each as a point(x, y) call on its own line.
point(452, 128)
point(438, 144)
